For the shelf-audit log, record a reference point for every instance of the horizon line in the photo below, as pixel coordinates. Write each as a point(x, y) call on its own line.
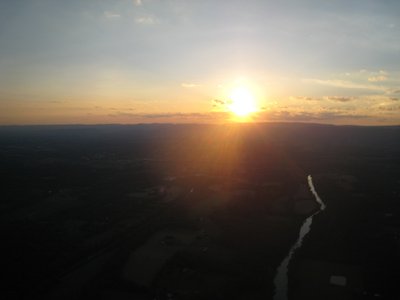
point(198, 124)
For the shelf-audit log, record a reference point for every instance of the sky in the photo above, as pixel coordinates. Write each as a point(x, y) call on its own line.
point(147, 61)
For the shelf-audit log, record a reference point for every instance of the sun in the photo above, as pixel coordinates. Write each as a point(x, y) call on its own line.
point(242, 102)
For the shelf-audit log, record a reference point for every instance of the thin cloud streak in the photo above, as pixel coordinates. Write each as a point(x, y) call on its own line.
point(377, 78)
point(146, 20)
point(205, 116)
point(340, 99)
point(111, 15)
point(190, 85)
point(345, 84)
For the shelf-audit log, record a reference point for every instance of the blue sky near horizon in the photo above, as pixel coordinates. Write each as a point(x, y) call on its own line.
point(136, 61)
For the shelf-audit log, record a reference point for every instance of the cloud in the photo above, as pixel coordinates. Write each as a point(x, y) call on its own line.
point(199, 116)
point(146, 20)
point(377, 78)
point(176, 116)
point(309, 99)
point(137, 2)
point(345, 84)
point(179, 115)
point(330, 98)
point(340, 99)
point(389, 108)
point(190, 85)
point(218, 103)
point(122, 114)
point(111, 15)
point(304, 98)
point(304, 116)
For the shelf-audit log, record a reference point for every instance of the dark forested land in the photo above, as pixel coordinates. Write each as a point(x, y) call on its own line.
point(197, 211)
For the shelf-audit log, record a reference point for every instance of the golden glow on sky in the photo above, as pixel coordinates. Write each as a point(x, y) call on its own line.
point(176, 62)
point(242, 102)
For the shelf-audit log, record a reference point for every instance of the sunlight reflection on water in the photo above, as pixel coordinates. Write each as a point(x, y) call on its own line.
point(281, 278)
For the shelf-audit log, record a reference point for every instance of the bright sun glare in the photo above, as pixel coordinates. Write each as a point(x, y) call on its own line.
point(243, 103)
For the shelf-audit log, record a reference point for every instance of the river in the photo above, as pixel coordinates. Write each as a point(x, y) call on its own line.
point(281, 277)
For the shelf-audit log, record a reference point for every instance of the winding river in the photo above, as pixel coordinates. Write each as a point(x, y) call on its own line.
point(281, 277)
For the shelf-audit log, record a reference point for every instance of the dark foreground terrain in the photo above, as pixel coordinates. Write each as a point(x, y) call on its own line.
point(198, 211)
